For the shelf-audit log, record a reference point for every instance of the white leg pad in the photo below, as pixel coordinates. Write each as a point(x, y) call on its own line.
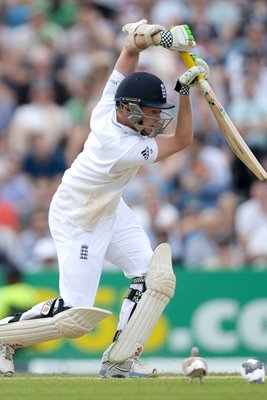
point(160, 284)
point(71, 323)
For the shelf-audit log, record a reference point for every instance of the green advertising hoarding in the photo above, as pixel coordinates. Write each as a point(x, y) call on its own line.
point(224, 313)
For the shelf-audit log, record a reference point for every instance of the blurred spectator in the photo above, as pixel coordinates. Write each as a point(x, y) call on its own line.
point(224, 15)
point(8, 242)
point(227, 204)
point(251, 45)
point(41, 160)
point(7, 106)
point(169, 12)
point(75, 142)
point(35, 229)
point(145, 178)
point(38, 29)
point(258, 11)
point(249, 113)
point(15, 13)
point(61, 12)
point(15, 187)
point(207, 246)
point(44, 255)
point(257, 249)
point(159, 219)
point(41, 115)
point(45, 188)
point(199, 178)
point(16, 296)
point(84, 35)
point(251, 222)
point(8, 215)
point(44, 63)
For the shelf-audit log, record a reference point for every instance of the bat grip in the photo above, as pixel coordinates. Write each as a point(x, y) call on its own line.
point(189, 62)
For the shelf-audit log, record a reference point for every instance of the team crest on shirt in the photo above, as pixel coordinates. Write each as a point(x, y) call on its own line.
point(145, 153)
point(84, 252)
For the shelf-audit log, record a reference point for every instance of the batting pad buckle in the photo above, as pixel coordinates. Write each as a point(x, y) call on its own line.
point(48, 307)
point(134, 295)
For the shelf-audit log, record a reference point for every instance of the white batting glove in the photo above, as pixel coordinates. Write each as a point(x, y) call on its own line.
point(189, 78)
point(177, 38)
point(203, 66)
point(141, 28)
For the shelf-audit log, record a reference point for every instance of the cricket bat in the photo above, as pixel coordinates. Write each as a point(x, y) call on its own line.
point(227, 127)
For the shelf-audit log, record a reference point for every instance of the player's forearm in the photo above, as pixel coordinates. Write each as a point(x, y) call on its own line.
point(183, 134)
point(128, 59)
point(184, 125)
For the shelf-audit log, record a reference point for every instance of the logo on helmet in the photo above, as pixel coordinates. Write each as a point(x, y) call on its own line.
point(163, 91)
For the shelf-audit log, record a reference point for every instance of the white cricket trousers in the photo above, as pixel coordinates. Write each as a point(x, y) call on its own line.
point(120, 240)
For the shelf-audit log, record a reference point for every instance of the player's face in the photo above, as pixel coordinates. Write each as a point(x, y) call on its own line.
point(153, 120)
point(150, 119)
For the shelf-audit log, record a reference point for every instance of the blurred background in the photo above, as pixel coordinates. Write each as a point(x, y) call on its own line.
point(55, 57)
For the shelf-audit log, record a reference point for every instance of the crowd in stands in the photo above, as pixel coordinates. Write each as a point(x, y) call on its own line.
point(55, 57)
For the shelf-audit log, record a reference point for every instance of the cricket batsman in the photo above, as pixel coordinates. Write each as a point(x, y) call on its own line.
point(90, 222)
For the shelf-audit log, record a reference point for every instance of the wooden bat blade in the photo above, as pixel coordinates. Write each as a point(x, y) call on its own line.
point(230, 132)
point(227, 127)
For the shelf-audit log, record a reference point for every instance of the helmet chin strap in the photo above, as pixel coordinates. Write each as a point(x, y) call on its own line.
point(154, 131)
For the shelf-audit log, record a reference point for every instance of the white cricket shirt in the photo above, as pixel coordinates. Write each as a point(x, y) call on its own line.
point(91, 188)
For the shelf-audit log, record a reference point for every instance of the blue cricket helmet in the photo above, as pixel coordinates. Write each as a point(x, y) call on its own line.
point(144, 89)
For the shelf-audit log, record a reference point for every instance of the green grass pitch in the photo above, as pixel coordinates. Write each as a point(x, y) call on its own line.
point(168, 387)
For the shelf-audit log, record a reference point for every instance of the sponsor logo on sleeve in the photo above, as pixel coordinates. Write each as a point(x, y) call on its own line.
point(113, 82)
point(145, 153)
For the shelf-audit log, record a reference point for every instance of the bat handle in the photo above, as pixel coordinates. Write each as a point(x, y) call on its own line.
point(189, 61)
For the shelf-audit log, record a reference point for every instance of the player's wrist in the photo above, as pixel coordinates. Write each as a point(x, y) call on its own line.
point(141, 31)
point(182, 89)
point(140, 43)
point(165, 39)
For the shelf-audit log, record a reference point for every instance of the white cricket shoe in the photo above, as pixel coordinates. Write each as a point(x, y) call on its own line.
point(6, 360)
point(131, 368)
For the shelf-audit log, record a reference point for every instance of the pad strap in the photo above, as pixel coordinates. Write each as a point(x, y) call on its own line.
point(139, 279)
point(50, 308)
point(134, 295)
point(117, 334)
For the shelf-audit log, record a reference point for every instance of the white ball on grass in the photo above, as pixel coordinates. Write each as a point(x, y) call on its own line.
point(253, 371)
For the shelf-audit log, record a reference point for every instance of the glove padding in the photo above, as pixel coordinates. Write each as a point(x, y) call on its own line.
point(189, 77)
point(178, 38)
point(144, 29)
